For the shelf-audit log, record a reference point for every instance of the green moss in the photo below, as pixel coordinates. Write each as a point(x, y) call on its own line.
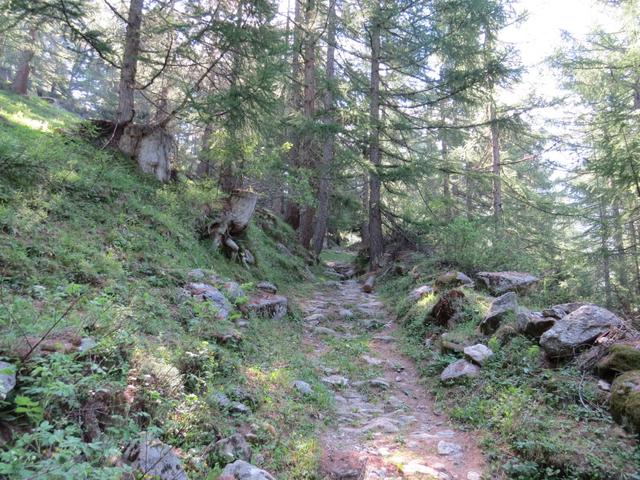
point(625, 400)
point(621, 358)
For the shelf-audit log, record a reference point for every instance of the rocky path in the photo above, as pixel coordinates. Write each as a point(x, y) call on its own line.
point(385, 425)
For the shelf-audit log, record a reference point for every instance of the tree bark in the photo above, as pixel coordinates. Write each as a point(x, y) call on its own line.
point(618, 238)
point(129, 67)
point(495, 164)
point(328, 146)
point(468, 195)
point(446, 183)
point(606, 264)
point(633, 235)
point(307, 153)
point(20, 84)
point(292, 210)
point(364, 228)
point(376, 247)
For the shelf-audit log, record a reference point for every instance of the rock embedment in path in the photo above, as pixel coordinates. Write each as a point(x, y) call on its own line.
point(384, 425)
point(268, 305)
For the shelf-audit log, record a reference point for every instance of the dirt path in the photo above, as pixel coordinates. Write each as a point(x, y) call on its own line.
point(385, 425)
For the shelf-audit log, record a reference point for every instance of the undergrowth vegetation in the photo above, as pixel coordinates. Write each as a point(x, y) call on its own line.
point(92, 250)
point(537, 421)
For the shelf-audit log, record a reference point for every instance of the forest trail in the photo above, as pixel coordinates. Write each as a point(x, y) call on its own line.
point(386, 426)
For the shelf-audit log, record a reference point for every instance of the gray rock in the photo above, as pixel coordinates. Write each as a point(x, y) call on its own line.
point(553, 312)
point(500, 308)
point(326, 331)
point(232, 448)
point(459, 368)
point(282, 248)
point(152, 458)
point(533, 325)
point(336, 380)
point(268, 305)
point(345, 314)
point(87, 343)
point(196, 274)
point(500, 282)
point(419, 292)
point(381, 424)
point(474, 476)
point(220, 399)
point(233, 290)
point(267, 287)
point(316, 318)
point(452, 280)
point(371, 360)
point(448, 448)
point(303, 387)
point(241, 470)
point(579, 328)
point(7, 379)
point(478, 353)
point(206, 292)
point(239, 408)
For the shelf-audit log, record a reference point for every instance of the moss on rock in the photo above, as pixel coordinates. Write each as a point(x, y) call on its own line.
point(621, 358)
point(625, 400)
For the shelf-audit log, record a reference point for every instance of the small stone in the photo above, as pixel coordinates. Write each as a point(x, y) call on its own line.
point(87, 343)
point(345, 314)
point(316, 318)
point(380, 383)
point(232, 448)
point(7, 379)
point(382, 424)
point(326, 331)
point(336, 380)
point(474, 476)
point(242, 323)
point(384, 338)
point(239, 408)
point(155, 459)
point(241, 470)
point(448, 448)
point(267, 287)
point(604, 385)
point(221, 400)
point(458, 369)
point(196, 274)
point(303, 387)
point(371, 360)
point(478, 353)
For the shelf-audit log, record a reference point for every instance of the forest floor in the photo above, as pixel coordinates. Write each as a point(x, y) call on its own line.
point(385, 424)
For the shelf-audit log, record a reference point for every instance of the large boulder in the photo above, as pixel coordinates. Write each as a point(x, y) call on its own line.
point(154, 459)
point(452, 280)
point(501, 307)
point(448, 307)
point(621, 358)
point(241, 470)
point(562, 310)
point(206, 292)
point(579, 328)
point(534, 324)
point(625, 400)
point(500, 282)
point(459, 369)
point(268, 305)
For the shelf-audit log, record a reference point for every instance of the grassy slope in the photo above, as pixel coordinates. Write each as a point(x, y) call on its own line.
point(535, 422)
point(80, 228)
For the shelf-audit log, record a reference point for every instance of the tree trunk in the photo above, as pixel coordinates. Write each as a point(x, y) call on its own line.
point(204, 157)
point(328, 146)
point(364, 228)
point(20, 83)
point(376, 247)
point(633, 234)
point(468, 195)
point(606, 266)
point(292, 210)
point(129, 67)
point(618, 238)
point(307, 153)
point(496, 166)
point(446, 183)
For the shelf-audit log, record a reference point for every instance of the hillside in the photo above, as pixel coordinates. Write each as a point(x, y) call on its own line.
point(91, 249)
point(133, 337)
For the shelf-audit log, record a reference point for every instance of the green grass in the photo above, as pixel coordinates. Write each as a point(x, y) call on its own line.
point(89, 245)
point(534, 422)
